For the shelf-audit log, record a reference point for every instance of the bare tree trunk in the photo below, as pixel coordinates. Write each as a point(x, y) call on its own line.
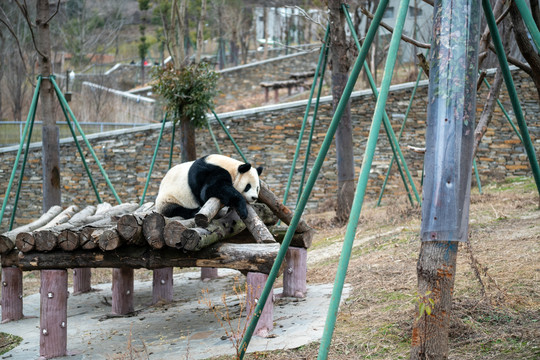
point(50, 136)
point(265, 35)
point(188, 149)
point(344, 143)
point(200, 28)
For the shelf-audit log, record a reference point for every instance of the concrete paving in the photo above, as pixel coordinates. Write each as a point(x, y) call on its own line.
point(184, 329)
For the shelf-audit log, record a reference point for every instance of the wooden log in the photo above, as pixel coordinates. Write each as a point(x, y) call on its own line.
point(267, 197)
point(53, 313)
point(61, 218)
point(244, 257)
point(68, 240)
point(7, 240)
point(302, 240)
point(162, 285)
point(174, 227)
point(122, 291)
point(255, 284)
point(12, 294)
point(295, 274)
point(85, 238)
point(195, 239)
point(107, 238)
point(45, 240)
point(257, 228)
point(130, 226)
point(208, 212)
point(82, 280)
point(103, 208)
point(25, 241)
point(153, 226)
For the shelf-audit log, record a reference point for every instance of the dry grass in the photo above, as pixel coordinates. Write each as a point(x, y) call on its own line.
point(496, 311)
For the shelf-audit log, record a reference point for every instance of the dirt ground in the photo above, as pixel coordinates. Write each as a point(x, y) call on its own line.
point(496, 311)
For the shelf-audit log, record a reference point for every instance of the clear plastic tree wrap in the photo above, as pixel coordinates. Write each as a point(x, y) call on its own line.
point(450, 121)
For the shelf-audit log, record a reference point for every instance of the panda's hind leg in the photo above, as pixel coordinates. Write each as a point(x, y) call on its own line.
point(172, 210)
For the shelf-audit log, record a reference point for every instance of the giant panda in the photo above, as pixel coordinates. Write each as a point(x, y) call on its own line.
point(187, 186)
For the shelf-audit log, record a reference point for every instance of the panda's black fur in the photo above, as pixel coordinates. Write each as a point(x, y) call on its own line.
point(207, 180)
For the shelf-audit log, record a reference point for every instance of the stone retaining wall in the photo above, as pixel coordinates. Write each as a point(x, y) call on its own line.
point(268, 136)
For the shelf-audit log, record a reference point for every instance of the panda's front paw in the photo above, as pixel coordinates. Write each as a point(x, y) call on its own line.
point(242, 212)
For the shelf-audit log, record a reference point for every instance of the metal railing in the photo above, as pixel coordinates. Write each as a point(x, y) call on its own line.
point(11, 132)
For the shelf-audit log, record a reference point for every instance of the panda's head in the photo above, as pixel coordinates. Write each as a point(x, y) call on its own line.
point(247, 181)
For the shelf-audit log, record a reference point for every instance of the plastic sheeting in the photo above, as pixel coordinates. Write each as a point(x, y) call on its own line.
point(450, 120)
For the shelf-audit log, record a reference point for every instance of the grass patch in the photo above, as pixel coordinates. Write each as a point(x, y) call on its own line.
point(8, 342)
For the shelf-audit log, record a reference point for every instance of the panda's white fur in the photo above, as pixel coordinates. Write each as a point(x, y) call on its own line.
point(187, 186)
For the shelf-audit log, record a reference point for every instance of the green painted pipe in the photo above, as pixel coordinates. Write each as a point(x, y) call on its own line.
point(306, 113)
point(529, 148)
point(21, 175)
point(229, 135)
point(156, 149)
point(87, 169)
point(172, 141)
point(394, 144)
point(213, 136)
point(400, 134)
point(507, 116)
point(529, 22)
point(362, 182)
point(332, 128)
point(25, 133)
point(65, 104)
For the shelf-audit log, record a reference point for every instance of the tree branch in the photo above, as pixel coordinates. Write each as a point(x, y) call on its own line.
point(389, 28)
point(514, 61)
point(487, 112)
point(24, 10)
point(55, 12)
point(12, 32)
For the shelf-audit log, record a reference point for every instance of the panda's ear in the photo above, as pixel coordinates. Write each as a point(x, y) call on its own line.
point(244, 168)
point(259, 170)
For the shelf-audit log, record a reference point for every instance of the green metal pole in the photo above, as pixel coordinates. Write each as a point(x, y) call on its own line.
point(529, 148)
point(25, 132)
point(65, 104)
point(529, 22)
point(154, 159)
point(312, 130)
point(394, 143)
point(306, 113)
point(229, 135)
point(362, 182)
point(87, 169)
point(332, 128)
point(213, 136)
point(172, 141)
point(21, 175)
point(507, 116)
point(477, 177)
point(400, 134)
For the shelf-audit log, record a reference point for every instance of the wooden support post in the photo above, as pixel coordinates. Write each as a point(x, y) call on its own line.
point(208, 273)
point(255, 285)
point(82, 280)
point(294, 276)
point(266, 96)
point(53, 313)
point(162, 286)
point(12, 289)
point(276, 95)
point(122, 291)
point(289, 90)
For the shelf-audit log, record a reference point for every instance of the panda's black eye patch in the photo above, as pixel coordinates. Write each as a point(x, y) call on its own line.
point(248, 186)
